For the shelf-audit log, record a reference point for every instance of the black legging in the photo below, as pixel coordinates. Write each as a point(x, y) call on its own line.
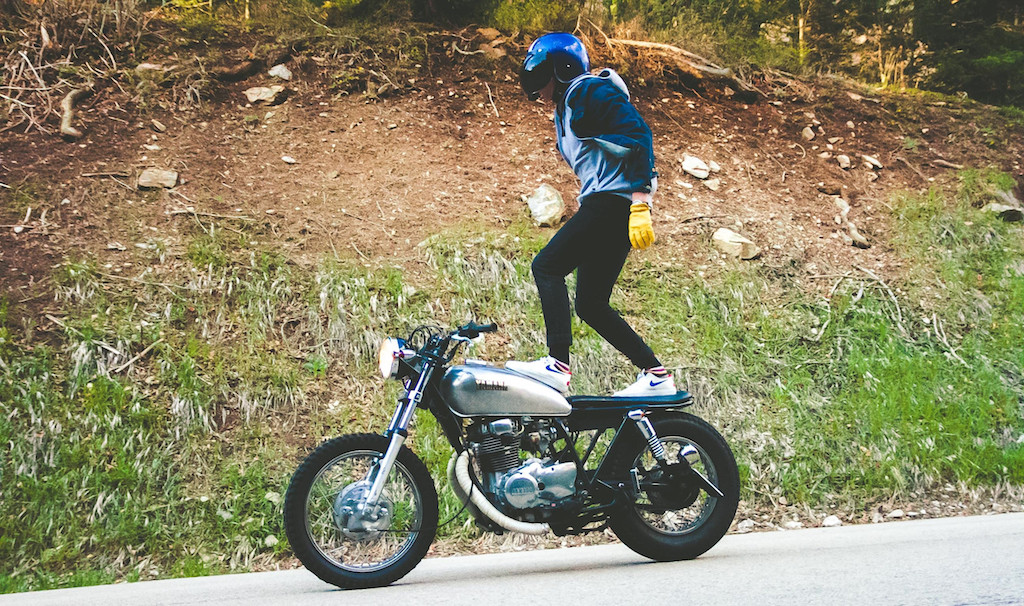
point(594, 242)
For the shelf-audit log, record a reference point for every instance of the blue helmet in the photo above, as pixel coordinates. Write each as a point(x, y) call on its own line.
point(559, 56)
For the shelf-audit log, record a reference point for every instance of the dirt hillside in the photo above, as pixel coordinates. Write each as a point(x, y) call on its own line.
point(460, 145)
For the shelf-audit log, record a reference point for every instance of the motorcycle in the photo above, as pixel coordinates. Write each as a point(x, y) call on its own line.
point(362, 510)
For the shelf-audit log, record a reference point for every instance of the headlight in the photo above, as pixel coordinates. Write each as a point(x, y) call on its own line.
point(391, 351)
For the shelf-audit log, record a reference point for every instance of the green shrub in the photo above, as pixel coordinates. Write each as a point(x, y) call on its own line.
point(535, 16)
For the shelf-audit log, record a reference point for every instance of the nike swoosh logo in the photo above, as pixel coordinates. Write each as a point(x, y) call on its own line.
point(554, 369)
point(655, 384)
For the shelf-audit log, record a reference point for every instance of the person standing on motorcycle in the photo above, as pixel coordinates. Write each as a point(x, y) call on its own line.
point(610, 148)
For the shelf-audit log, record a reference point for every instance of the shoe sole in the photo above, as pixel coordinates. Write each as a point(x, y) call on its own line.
point(621, 394)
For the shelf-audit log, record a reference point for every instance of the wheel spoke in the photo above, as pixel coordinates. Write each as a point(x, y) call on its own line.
point(363, 545)
point(670, 506)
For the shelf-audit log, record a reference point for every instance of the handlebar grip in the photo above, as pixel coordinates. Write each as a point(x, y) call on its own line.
point(474, 330)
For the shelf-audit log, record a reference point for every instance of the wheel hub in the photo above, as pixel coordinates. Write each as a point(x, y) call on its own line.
point(355, 519)
point(669, 489)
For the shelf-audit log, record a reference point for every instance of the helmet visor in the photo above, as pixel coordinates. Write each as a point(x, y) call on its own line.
point(535, 74)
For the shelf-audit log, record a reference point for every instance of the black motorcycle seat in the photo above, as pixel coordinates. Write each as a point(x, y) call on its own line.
point(680, 398)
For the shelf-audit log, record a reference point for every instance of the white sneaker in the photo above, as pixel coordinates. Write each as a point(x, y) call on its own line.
point(649, 384)
point(547, 370)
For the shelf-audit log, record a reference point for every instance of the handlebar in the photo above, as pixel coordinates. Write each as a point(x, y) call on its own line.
point(474, 330)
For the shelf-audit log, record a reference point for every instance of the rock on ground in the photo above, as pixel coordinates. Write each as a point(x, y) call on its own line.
point(546, 205)
point(696, 167)
point(1008, 213)
point(734, 245)
point(280, 71)
point(153, 178)
point(871, 162)
point(266, 94)
point(745, 526)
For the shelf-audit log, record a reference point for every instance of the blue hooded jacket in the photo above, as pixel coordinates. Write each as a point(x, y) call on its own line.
point(603, 138)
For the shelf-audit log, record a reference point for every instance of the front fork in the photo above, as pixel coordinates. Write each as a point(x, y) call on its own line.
point(398, 430)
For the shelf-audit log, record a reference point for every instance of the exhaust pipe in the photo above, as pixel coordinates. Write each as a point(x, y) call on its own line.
point(465, 485)
point(460, 494)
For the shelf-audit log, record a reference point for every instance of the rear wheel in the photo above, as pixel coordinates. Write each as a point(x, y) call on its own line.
point(332, 532)
point(671, 516)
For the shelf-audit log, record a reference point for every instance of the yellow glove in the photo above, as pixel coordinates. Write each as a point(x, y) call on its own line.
point(641, 230)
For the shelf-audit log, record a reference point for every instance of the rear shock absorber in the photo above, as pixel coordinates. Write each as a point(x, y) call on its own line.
point(687, 456)
point(647, 429)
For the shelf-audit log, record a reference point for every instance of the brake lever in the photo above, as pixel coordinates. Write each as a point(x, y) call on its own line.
point(454, 351)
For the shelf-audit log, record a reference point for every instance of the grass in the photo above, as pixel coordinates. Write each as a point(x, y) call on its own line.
point(867, 395)
point(1014, 114)
point(153, 432)
point(16, 199)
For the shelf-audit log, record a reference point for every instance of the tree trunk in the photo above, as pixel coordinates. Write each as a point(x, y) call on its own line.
point(801, 44)
point(119, 17)
point(806, 8)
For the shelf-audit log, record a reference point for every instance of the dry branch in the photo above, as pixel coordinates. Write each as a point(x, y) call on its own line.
point(58, 41)
point(237, 73)
point(844, 211)
point(892, 295)
point(785, 82)
point(689, 63)
point(138, 357)
point(462, 52)
point(491, 98)
point(701, 218)
point(119, 173)
point(67, 107)
point(944, 164)
point(941, 334)
point(191, 211)
point(699, 63)
point(912, 167)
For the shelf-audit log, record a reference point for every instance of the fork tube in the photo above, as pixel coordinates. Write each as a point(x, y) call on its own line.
point(406, 406)
point(384, 468)
point(396, 416)
point(397, 431)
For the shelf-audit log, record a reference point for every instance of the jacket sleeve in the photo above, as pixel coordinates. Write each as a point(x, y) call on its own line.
point(602, 113)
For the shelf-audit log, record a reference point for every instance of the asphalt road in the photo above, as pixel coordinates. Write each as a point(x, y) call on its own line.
point(977, 560)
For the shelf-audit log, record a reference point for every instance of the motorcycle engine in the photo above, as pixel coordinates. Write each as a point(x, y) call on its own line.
point(521, 485)
point(537, 483)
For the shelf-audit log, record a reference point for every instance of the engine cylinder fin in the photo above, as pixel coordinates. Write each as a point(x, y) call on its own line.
point(498, 454)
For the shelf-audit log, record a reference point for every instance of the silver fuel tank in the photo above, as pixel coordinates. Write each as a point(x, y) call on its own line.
point(485, 391)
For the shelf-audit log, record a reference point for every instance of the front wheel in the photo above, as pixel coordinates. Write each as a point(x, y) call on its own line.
point(341, 539)
point(671, 517)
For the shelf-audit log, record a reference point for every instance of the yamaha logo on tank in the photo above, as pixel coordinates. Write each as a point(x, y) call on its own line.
point(491, 385)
